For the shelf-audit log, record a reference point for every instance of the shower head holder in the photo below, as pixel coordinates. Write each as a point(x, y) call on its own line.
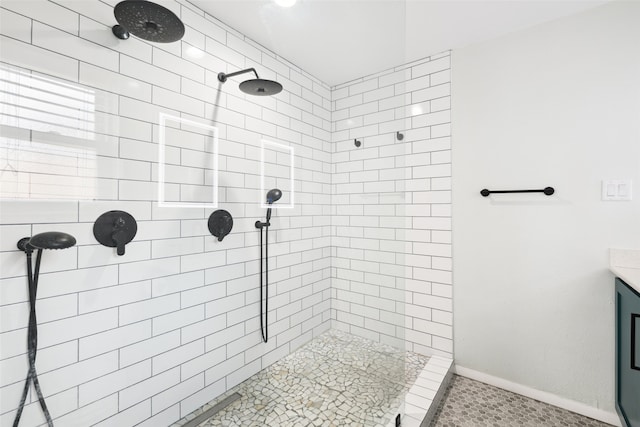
point(24, 246)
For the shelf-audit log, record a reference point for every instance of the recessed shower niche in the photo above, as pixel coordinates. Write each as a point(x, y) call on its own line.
point(187, 170)
point(277, 171)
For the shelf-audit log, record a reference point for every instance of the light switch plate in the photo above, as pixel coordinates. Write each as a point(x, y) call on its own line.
point(616, 189)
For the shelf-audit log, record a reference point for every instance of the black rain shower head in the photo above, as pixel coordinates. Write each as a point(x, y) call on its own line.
point(147, 20)
point(273, 195)
point(257, 86)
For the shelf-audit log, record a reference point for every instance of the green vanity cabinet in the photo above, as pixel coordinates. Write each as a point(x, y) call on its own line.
point(627, 354)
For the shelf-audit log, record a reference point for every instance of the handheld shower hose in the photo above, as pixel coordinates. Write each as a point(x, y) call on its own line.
point(49, 240)
point(272, 196)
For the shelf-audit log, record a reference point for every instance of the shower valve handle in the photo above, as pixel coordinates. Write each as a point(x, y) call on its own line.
point(119, 236)
point(115, 229)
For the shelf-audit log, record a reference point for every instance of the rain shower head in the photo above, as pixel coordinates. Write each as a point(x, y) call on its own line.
point(147, 20)
point(257, 86)
point(273, 196)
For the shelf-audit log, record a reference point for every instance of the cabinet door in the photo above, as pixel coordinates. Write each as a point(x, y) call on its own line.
point(628, 354)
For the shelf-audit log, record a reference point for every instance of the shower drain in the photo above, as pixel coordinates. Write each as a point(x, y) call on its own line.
point(214, 410)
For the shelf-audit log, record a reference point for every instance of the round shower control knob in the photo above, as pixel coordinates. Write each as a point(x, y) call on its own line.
point(220, 223)
point(115, 229)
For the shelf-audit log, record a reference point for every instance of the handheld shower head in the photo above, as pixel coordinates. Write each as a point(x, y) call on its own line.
point(273, 195)
point(52, 240)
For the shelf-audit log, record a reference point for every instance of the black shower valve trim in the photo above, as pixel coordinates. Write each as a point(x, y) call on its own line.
point(115, 229)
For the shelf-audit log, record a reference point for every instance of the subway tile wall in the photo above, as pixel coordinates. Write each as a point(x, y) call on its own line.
point(150, 336)
point(391, 237)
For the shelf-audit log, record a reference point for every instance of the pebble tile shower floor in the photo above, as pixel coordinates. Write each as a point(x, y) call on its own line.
point(335, 380)
point(469, 403)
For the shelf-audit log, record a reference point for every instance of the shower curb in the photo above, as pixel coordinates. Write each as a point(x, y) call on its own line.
point(422, 400)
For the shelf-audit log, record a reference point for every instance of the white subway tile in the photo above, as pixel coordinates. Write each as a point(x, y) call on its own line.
point(168, 397)
point(76, 327)
point(175, 357)
point(202, 294)
point(148, 388)
point(203, 25)
point(32, 415)
point(165, 417)
point(91, 414)
point(431, 67)
point(15, 26)
point(31, 211)
point(221, 370)
point(114, 339)
point(113, 296)
point(178, 65)
point(16, 316)
point(176, 101)
point(100, 78)
point(44, 11)
point(78, 373)
point(148, 348)
point(430, 93)
point(113, 382)
point(130, 416)
point(178, 319)
point(173, 247)
point(142, 71)
point(201, 397)
point(100, 32)
point(143, 270)
point(70, 45)
point(176, 283)
point(221, 274)
point(148, 309)
point(223, 337)
point(203, 328)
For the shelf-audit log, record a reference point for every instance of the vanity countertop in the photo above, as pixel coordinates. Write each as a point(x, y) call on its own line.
point(625, 264)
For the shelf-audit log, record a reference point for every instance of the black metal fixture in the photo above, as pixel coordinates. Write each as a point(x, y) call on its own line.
point(146, 20)
point(399, 136)
point(220, 223)
point(357, 143)
point(272, 197)
point(257, 86)
point(115, 229)
point(48, 240)
point(547, 190)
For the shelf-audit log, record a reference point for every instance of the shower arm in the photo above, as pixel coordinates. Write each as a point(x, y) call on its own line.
point(223, 77)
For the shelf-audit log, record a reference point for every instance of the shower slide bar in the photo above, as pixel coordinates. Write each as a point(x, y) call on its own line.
point(548, 191)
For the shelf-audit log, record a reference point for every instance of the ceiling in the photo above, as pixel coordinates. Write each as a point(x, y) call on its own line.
point(341, 40)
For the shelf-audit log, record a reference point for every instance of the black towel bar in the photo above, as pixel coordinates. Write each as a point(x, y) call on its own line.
point(548, 191)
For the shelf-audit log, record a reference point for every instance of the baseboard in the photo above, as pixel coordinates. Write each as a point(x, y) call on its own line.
point(543, 396)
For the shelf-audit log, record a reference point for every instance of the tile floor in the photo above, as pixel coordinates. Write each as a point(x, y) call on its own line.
point(335, 380)
point(475, 404)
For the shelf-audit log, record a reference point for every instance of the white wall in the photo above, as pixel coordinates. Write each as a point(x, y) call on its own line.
point(392, 207)
point(556, 105)
point(152, 335)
